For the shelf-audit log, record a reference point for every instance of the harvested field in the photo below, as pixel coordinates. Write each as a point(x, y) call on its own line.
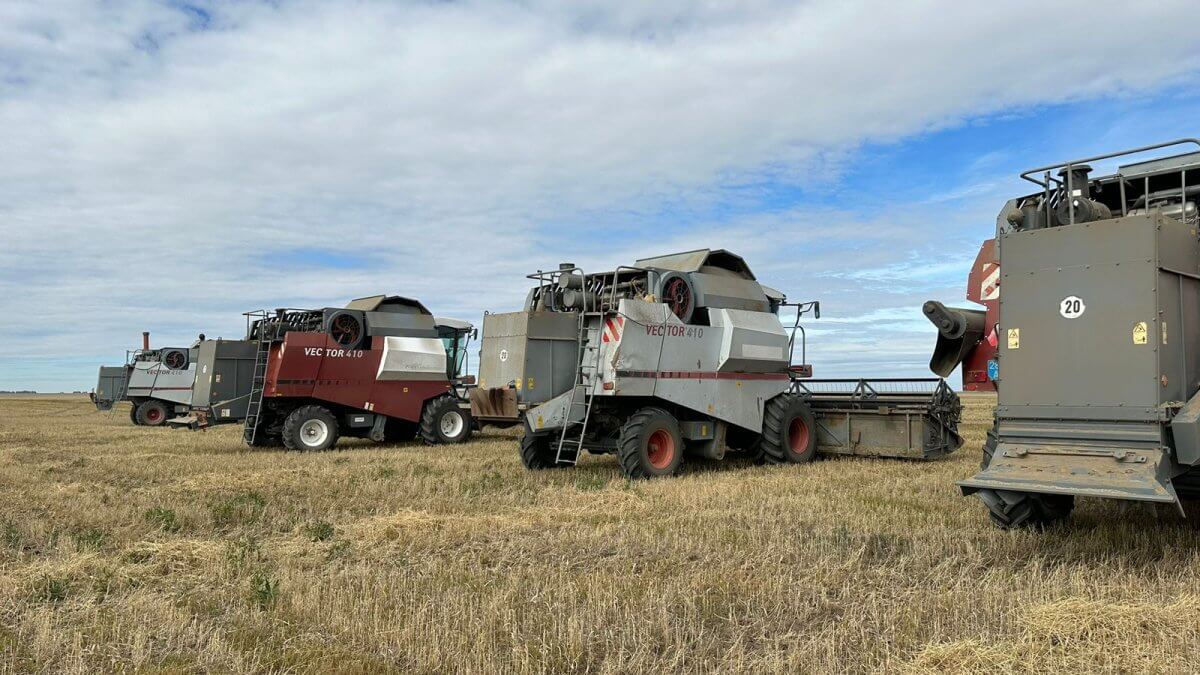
point(159, 550)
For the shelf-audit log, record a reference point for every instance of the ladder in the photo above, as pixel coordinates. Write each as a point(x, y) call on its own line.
point(570, 439)
point(254, 407)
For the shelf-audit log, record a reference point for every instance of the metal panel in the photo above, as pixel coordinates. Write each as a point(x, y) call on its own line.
point(1111, 267)
point(224, 378)
point(1088, 471)
point(536, 353)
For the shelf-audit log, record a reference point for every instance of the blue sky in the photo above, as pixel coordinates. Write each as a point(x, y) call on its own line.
point(171, 165)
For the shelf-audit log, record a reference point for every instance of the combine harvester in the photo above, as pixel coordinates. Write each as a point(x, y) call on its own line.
point(1096, 354)
point(156, 382)
point(381, 368)
point(685, 354)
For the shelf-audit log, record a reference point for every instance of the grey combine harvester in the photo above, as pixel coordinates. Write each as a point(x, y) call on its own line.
point(156, 382)
point(686, 354)
point(1098, 363)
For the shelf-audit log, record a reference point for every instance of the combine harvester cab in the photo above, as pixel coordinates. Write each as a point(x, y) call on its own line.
point(685, 354)
point(1097, 361)
point(381, 368)
point(156, 382)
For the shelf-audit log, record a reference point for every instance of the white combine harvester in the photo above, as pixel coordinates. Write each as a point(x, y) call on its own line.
point(156, 382)
point(685, 354)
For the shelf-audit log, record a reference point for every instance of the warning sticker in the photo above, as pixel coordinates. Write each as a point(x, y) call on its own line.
point(1139, 333)
point(1014, 338)
point(1164, 327)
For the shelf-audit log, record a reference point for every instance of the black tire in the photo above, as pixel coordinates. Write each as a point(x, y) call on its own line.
point(989, 448)
point(650, 445)
point(399, 431)
point(153, 413)
point(789, 431)
point(538, 450)
point(443, 421)
point(133, 410)
point(1011, 510)
point(310, 428)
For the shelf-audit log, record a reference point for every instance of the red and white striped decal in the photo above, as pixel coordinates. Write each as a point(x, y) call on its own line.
point(989, 288)
point(613, 328)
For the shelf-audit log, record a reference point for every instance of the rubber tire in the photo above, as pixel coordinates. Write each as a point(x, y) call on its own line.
point(1012, 510)
point(633, 448)
point(538, 450)
point(133, 409)
point(291, 428)
point(431, 417)
point(774, 446)
point(149, 408)
point(989, 448)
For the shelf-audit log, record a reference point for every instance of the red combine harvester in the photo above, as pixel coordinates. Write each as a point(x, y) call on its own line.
point(968, 336)
point(381, 368)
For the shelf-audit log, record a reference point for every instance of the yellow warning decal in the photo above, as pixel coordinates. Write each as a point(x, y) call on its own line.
point(1139, 333)
point(530, 385)
point(518, 384)
point(540, 422)
point(1014, 338)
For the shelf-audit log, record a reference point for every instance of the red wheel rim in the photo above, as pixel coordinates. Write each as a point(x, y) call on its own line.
point(154, 415)
point(798, 436)
point(660, 449)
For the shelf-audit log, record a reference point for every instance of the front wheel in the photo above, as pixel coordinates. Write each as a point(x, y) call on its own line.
point(310, 428)
point(651, 445)
point(152, 413)
point(133, 416)
point(789, 431)
point(443, 421)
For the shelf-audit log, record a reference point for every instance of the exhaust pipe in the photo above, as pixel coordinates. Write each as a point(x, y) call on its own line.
point(959, 331)
point(146, 340)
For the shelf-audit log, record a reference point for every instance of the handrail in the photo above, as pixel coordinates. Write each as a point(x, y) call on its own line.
point(1146, 148)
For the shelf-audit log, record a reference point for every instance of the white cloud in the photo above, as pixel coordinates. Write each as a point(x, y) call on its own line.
point(149, 165)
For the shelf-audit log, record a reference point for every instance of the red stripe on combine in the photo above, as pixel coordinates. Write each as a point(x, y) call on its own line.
point(698, 375)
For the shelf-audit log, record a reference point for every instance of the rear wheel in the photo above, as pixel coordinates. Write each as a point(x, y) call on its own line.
point(152, 413)
point(443, 421)
point(989, 448)
point(1011, 510)
point(310, 428)
point(789, 431)
point(538, 451)
point(651, 445)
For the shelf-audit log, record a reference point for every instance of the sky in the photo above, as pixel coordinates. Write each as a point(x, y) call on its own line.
point(165, 166)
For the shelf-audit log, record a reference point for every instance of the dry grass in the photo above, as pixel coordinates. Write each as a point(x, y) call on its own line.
point(138, 549)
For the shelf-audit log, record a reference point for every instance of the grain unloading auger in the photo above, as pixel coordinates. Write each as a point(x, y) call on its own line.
point(686, 354)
